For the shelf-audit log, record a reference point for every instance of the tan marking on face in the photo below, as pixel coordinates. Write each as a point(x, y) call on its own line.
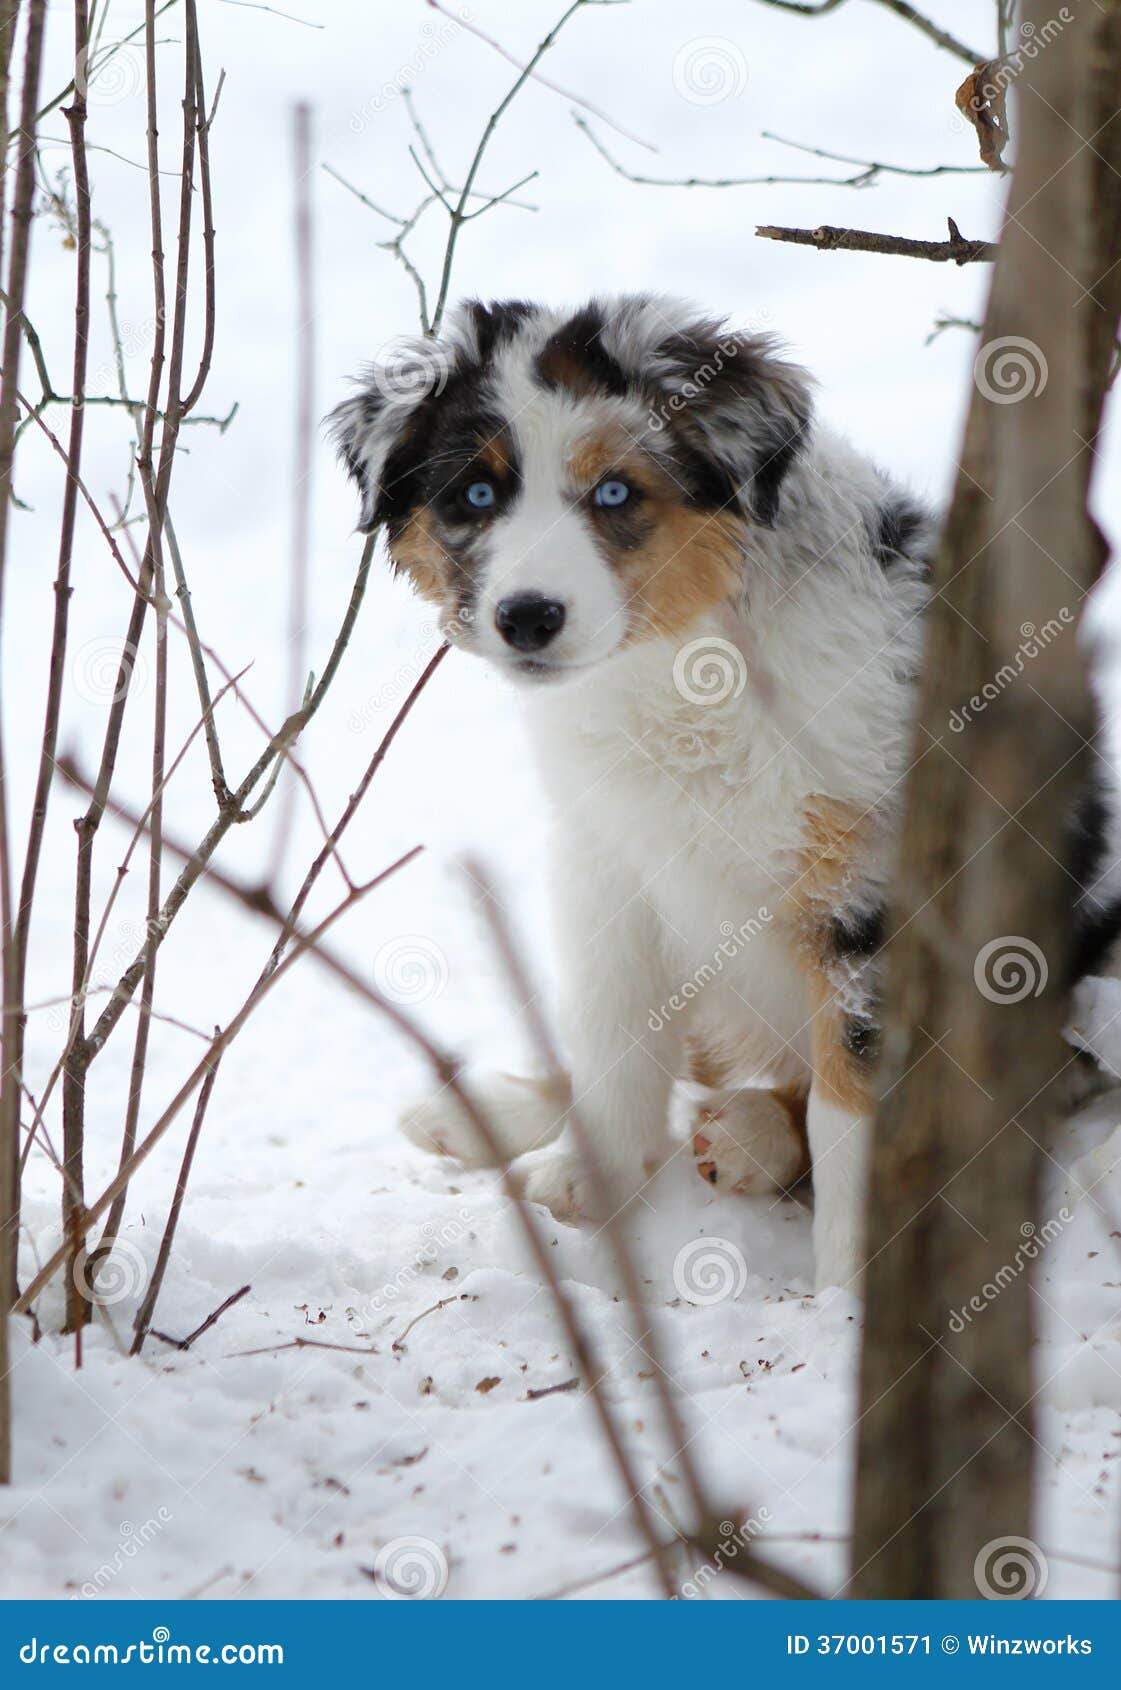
point(595, 455)
point(690, 560)
point(493, 456)
point(691, 563)
point(419, 553)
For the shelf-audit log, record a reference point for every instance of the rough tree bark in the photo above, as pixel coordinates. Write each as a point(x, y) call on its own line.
point(975, 991)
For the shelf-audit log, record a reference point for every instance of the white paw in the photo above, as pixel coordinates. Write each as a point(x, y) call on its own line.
point(521, 1113)
point(560, 1180)
point(748, 1144)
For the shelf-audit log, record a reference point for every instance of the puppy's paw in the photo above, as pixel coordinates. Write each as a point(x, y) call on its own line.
point(750, 1144)
point(521, 1113)
point(559, 1179)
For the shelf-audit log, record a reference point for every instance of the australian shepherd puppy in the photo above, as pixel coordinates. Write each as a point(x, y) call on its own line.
point(712, 608)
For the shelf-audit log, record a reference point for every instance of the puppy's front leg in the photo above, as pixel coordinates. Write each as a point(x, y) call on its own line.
point(613, 978)
point(839, 1123)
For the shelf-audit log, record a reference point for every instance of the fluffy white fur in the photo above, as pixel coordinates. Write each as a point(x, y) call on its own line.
point(680, 818)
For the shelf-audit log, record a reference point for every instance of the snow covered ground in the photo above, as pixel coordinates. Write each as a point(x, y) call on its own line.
point(285, 1472)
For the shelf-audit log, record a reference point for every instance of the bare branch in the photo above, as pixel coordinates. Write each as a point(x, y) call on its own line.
point(18, 261)
point(957, 250)
point(289, 17)
point(458, 217)
point(926, 26)
point(464, 21)
point(868, 173)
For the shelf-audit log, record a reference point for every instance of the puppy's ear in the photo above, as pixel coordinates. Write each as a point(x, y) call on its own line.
point(727, 396)
point(380, 433)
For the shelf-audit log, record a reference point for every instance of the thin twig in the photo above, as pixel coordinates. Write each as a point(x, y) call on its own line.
point(706, 1523)
point(11, 1080)
point(398, 1345)
point(122, 870)
point(867, 174)
point(260, 901)
point(76, 121)
point(211, 1320)
point(289, 17)
point(155, 484)
point(329, 849)
point(463, 19)
point(458, 217)
point(902, 9)
point(300, 531)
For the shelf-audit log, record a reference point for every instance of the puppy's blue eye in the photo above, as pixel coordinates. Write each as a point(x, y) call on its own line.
point(611, 494)
point(480, 495)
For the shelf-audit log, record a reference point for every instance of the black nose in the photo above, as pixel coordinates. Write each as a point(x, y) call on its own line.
point(528, 621)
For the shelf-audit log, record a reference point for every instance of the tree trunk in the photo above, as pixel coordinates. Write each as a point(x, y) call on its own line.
point(975, 995)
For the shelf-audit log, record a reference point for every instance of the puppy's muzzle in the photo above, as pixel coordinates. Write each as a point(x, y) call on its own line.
point(528, 621)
